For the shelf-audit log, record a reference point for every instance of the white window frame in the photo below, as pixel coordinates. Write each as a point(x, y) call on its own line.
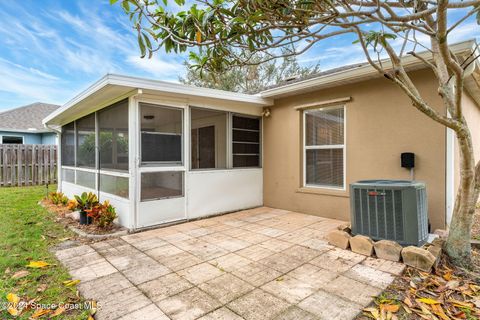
point(324, 147)
point(146, 164)
point(12, 136)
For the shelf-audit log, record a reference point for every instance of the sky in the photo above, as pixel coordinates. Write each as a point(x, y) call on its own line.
point(51, 50)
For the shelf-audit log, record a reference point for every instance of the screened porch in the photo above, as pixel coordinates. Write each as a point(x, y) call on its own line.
point(159, 161)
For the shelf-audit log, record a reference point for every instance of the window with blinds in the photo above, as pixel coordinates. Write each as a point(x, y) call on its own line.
point(324, 147)
point(245, 141)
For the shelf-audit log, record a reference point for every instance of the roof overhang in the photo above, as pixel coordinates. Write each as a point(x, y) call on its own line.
point(112, 87)
point(365, 72)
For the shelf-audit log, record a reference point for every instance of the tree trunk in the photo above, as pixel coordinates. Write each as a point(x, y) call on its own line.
point(458, 245)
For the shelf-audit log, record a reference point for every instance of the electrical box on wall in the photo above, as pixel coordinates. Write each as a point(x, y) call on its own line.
point(408, 160)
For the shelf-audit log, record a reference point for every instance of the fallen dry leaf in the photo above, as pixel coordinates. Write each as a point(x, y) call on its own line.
point(428, 301)
point(70, 283)
point(438, 310)
point(42, 287)
point(13, 298)
point(38, 264)
point(20, 274)
point(447, 276)
point(13, 311)
point(39, 313)
point(390, 307)
point(373, 311)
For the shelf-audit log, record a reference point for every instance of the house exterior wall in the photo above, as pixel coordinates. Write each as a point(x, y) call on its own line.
point(49, 138)
point(28, 138)
point(380, 124)
point(32, 138)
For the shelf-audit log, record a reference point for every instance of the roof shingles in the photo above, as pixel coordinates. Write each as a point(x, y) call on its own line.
point(27, 118)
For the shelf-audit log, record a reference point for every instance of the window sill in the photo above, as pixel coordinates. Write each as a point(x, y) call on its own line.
point(323, 191)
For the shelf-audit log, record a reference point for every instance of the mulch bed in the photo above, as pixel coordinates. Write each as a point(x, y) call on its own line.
point(63, 217)
point(446, 293)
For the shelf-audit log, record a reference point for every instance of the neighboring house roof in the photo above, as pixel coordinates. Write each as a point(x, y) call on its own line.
point(364, 71)
point(27, 118)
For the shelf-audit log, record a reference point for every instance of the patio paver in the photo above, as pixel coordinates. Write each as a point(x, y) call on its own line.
point(261, 263)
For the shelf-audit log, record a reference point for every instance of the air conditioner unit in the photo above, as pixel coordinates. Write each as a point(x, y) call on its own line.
point(390, 209)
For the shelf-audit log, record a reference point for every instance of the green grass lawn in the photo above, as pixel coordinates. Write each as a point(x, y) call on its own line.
point(27, 231)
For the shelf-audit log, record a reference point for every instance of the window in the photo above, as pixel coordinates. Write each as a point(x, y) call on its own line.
point(245, 141)
point(208, 139)
point(161, 185)
point(12, 140)
point(68, 144)
point(324, 147)
point(161, 134)
point(85, 129)
point(113, 136)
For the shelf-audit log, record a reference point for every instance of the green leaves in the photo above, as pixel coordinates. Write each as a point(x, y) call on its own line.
point(374, 38)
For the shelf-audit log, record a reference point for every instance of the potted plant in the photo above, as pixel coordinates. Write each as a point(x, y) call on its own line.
point(85, 203)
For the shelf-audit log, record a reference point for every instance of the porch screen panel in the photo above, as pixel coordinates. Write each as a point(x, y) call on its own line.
point(161, 134)
point(324, 147)
point(68, 175)
point(245, 141)
point(68, 144)
point(113, 137)
point(208, 139)
point(86, 179)
point(161, 185)
point(114, 185)
point(85, 129)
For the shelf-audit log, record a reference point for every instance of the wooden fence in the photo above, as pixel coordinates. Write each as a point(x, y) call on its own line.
point(27, 164)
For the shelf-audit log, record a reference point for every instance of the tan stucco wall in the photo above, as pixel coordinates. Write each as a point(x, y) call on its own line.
point(381, 124)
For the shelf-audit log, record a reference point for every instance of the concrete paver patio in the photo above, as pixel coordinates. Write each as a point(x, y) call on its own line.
point(261, 263)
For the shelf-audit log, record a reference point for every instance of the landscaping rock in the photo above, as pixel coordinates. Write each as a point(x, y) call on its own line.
point(418, 258)
point(339, 238)
point(438, 242)
point(345, 227)
point(388, 250)
point(436, 251)
point(441, 233)
point(362, 245)
point(75, 215)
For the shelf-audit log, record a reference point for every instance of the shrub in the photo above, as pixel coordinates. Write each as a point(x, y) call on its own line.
point(72, 204)
point(102, 214)
point(86, 201)
point(58, 198)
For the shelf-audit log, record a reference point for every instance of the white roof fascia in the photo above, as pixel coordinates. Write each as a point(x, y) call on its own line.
point(356, 73)
point(159, 86)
